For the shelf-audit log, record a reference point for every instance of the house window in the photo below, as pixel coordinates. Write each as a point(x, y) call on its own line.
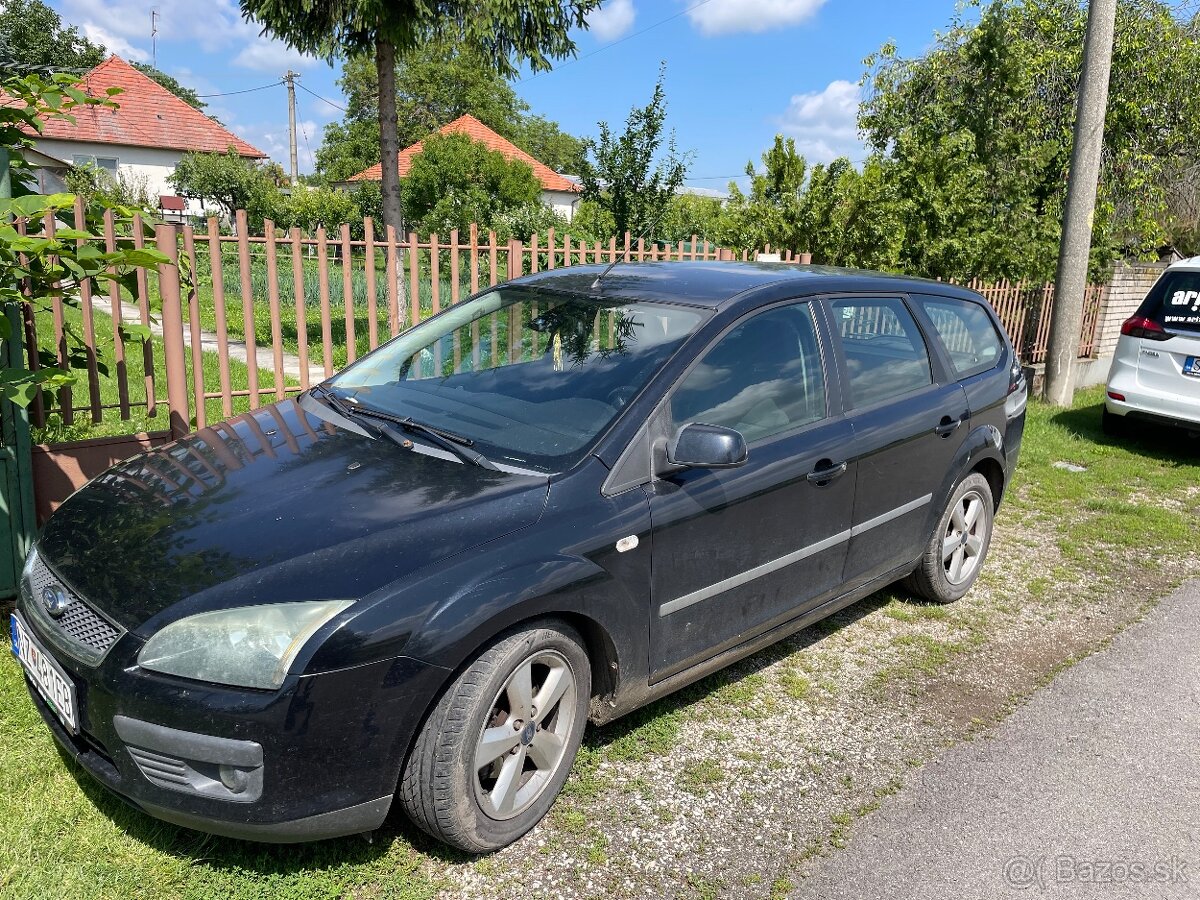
point(107, 163)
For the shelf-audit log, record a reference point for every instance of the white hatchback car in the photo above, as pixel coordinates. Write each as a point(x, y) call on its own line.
point(1155, 374)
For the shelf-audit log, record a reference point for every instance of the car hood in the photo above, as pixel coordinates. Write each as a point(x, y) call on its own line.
point(276, 505)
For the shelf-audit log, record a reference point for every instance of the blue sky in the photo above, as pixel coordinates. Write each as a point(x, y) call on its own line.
point(738, 71)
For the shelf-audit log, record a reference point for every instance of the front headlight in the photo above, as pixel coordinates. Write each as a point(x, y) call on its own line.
point(252, 646)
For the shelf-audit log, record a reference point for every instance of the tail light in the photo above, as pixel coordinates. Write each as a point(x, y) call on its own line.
point(1141, 327)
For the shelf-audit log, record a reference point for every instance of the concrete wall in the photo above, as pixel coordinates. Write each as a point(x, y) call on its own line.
point(61, 469)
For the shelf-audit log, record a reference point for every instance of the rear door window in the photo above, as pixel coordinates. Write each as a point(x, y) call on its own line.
point(967, 332)
point(884, 350)
point(1174, 302)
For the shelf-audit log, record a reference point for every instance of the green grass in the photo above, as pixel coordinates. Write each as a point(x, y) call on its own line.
point(61, 836)
point(139, 420)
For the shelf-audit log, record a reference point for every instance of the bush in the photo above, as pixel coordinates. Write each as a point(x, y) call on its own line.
point(311, 207)
point(522, 222)
point(97, 185)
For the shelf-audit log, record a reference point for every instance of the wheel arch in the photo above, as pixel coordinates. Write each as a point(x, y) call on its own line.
point(993, 471)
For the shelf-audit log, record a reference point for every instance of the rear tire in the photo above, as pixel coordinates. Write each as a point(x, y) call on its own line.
point(959, 544)
point(1114, 425)
point(488, 762)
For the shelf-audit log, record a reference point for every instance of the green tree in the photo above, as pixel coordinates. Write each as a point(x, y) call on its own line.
point(977, 132)
point(231, 182)
point(689, 214)
point(436, 84)
point(308, 207)
point(503, 32)
point(629, 174)
point(771, 213)
point(455, 181)
point(182, 91)
point(546, 142)
point(35, 268)
point(34, 38)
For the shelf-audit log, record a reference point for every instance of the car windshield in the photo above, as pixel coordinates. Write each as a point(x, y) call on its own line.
point(1174, 302)
point(531, 377)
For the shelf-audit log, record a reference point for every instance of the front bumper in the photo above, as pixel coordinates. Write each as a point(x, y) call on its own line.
point(319, 758)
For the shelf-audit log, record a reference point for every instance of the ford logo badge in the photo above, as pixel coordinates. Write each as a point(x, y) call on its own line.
point(55, 600)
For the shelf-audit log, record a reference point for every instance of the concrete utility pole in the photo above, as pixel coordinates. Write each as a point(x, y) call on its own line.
point(1070, 281)
point(290, 78)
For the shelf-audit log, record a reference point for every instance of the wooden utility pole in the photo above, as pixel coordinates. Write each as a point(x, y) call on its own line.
point(1070, 282)
point(290, 78)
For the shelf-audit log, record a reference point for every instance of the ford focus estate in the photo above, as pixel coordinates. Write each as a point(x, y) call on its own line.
point(552, 503)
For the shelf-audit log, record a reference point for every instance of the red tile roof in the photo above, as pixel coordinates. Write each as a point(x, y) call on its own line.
point(148, 116)
point(477, 131)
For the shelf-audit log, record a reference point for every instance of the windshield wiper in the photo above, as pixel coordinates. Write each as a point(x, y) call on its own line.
point(447, 440)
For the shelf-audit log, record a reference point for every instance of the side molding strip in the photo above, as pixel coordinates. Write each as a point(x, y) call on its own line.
point(889, 515)
point(795, 556)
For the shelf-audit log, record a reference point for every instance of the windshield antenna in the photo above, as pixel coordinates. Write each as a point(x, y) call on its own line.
point(596, 284)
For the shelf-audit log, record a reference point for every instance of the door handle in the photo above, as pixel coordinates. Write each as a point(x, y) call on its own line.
point(826, 471)
point(947, 426)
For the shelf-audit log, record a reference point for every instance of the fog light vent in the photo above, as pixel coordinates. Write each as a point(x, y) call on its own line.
point(203, 764)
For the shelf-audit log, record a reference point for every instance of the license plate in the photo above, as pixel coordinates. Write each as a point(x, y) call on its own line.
point(1191, 366)
point(51, 682)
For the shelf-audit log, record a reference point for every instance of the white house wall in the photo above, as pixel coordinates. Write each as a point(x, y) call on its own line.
point(149, 163)
point(562, 202)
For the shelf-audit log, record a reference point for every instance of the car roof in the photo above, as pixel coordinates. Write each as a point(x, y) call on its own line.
point(1186, 264)
point(711, 284)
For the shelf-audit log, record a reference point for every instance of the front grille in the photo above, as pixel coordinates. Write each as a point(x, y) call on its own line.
point(80, 623)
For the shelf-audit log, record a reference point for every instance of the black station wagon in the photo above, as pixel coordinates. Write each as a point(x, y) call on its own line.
point(552, 503)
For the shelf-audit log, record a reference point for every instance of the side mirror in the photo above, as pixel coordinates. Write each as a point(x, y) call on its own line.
point(707, 447)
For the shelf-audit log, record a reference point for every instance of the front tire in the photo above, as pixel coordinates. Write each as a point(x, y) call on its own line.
point(959, 544)
point(496, 750)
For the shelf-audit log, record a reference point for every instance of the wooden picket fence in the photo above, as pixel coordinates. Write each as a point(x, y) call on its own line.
point(291, 308)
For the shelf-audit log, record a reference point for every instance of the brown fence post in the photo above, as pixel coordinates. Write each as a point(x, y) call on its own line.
point(167, 239)
point(515, 251)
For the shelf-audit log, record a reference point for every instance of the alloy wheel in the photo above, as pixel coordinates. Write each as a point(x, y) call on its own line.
point(524, 739)
point(965, 538)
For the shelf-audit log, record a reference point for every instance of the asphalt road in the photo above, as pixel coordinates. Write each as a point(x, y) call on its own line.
point(1091, 789)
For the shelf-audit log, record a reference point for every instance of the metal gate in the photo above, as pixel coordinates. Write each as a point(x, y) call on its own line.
point(17, 528)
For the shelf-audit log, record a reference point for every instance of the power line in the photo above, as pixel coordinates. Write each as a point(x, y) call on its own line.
point(246, 91)
point(319, 97)
point(612, 44)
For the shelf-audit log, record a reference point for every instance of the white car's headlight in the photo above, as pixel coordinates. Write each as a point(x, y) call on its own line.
point(251, 646)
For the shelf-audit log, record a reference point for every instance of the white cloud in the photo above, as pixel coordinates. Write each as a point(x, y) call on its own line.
point(730, 16)
point(214, 28)
point(613, 19)
point(114, 43)
point(825, 123)
point(272, 139)
point(267, 55)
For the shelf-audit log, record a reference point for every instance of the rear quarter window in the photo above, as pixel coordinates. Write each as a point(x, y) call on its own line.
point(967, 332)
point(1174, 302)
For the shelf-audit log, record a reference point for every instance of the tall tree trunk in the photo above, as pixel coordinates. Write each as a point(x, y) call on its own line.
point(389, 142)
